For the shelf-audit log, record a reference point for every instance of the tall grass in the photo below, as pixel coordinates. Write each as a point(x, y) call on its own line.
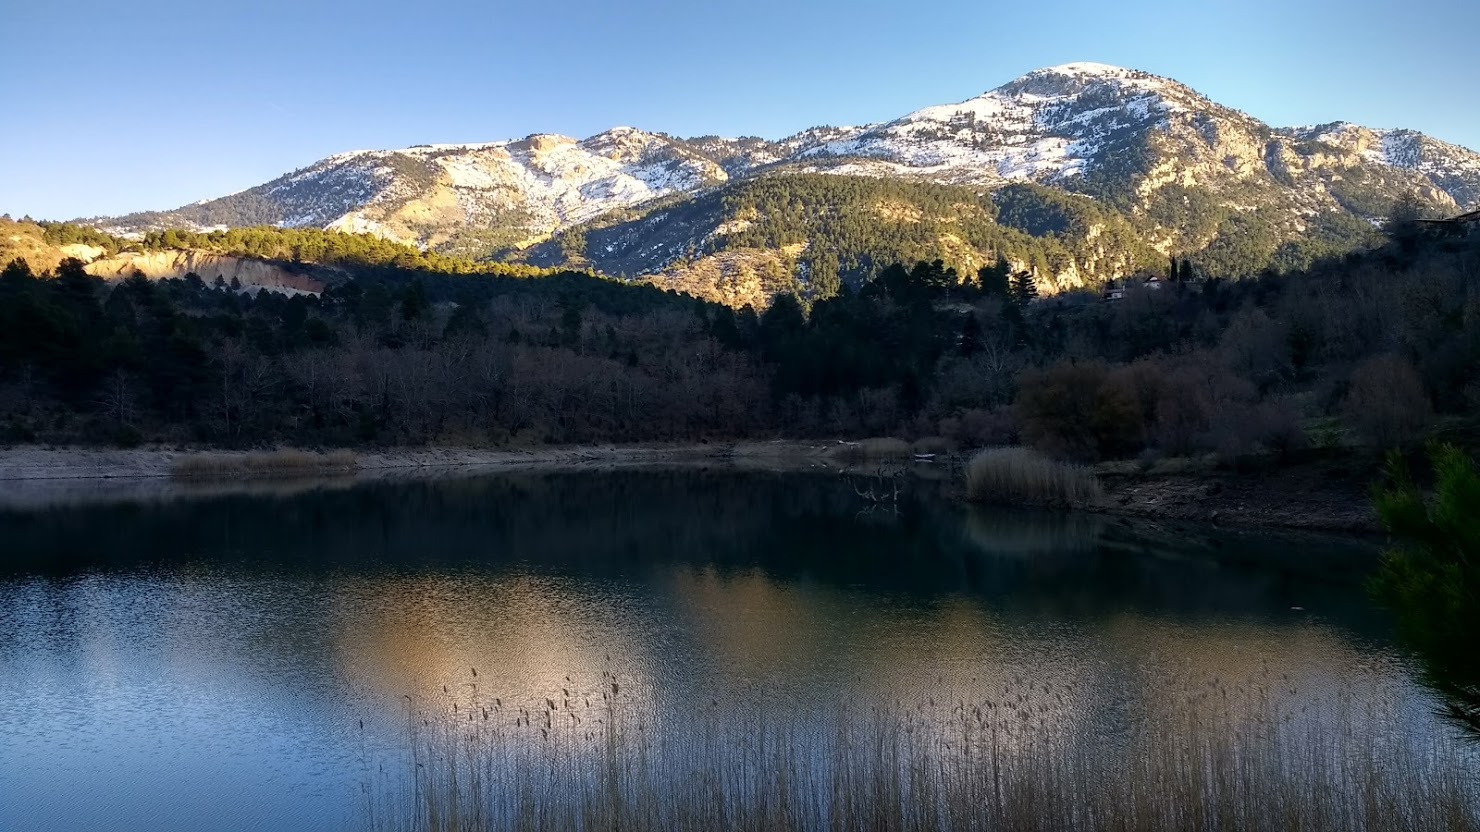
point(1018, 476)
point(263, 464)
point(1210, 756)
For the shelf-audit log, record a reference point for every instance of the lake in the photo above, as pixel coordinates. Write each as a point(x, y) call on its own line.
point(288, 657)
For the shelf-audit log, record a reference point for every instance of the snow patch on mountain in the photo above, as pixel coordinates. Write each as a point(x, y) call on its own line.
point(1072, 126)
point(1046, 126)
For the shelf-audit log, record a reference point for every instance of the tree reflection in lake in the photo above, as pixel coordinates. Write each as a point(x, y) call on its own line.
point(1431, 578)
point(249, 636)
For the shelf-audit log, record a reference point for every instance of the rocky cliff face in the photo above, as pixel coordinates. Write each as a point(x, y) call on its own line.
point(251, 274)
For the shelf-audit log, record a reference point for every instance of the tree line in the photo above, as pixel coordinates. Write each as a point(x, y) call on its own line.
point(1372, 345)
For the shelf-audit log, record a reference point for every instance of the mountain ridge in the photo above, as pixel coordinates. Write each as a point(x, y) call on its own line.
point(1185, 170)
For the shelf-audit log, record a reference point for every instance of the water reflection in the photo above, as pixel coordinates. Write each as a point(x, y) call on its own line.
point(209, 663)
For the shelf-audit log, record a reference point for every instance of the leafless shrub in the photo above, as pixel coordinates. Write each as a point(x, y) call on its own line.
point(1387, 403)
point(1074, 411)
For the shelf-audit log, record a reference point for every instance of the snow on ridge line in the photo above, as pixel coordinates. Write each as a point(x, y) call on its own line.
point(1085, 68)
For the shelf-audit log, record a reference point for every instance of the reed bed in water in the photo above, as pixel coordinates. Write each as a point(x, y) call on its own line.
point(1018, 476)
point(279, 463)
point(1207, 756)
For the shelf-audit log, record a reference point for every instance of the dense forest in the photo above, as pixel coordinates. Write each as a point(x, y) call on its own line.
point(1369, 346)
point(813, 233)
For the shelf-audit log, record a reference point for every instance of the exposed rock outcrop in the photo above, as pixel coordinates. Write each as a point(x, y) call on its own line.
point(251, 274)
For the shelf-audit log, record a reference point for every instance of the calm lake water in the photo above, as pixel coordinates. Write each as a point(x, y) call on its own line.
point(245, 662)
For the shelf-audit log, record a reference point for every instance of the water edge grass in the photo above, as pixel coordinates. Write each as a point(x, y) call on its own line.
point(1211, 755)
point(1019, 476)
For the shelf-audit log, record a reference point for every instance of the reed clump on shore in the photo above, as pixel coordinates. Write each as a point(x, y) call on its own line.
point(1019, 476)
point(1206, 755)
point(279, 463)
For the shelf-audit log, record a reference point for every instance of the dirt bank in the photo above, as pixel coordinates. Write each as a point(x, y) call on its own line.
point(1318, 496)
point(1323, 495)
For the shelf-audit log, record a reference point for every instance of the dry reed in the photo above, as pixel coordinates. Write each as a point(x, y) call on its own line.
point(1206, 755)
point(280, 463)
point(1018, 476)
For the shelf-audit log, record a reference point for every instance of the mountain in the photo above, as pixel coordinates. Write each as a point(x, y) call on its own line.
point(1185, 175)
point(441, 195)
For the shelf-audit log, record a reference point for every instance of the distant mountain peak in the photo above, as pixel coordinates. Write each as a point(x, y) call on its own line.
point(1082, 68)
point(1134, 140)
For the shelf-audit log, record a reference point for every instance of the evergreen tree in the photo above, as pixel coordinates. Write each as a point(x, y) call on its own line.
point(414, 303)
point(1024, 289)
point(16, 271)
point(1431, 579)
point(994, 279)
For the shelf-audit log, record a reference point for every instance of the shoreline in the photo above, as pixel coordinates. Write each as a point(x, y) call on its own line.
point(1281, 500)
point(33, 464)
point(1310, 496)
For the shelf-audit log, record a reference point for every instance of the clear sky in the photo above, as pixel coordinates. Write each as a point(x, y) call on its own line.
point(112, 107)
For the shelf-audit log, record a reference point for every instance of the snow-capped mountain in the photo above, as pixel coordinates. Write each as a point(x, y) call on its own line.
point(1049, 125)
point(1124, 135)
point(428, 193)
point(1451, 168)
point(1161, 154)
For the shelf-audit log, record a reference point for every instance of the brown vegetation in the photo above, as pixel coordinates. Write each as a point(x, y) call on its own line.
point(1018, 476)
point(1386, 402)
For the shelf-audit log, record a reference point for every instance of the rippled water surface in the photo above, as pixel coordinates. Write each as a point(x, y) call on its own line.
point(246, 661)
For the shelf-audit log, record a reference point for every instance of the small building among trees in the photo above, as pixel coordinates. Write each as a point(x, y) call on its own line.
point(1467, 223)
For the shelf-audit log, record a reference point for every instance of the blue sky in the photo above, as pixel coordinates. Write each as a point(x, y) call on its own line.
point(113, 107)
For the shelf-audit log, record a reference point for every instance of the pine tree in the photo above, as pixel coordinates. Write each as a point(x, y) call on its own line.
point(1024, 288)
point(995, 279)
point(414, 303)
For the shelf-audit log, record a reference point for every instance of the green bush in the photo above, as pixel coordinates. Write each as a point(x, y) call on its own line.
point(1431, 576)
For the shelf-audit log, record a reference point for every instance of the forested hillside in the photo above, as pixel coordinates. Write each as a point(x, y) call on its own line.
point(813, 233)
point(1372, 346)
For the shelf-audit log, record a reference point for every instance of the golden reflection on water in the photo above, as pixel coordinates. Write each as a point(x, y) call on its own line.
point(810, 655)
point(529, 638)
